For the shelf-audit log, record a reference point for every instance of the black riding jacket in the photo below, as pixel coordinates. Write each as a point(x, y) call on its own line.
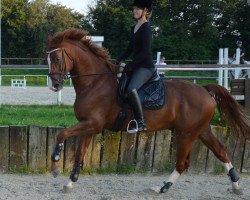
point(140, 47)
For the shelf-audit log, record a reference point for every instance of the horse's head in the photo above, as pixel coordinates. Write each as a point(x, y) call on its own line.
point(71, 51)
point(60, 63)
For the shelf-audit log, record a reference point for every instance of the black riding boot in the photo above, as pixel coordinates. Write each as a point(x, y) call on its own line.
point(135, 103)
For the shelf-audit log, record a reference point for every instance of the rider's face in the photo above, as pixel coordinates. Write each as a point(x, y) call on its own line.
point(137, 12)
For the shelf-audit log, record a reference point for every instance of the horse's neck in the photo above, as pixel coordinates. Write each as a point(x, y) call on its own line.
point(90, 80)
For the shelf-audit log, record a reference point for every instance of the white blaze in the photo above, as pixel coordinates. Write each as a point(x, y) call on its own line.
point(49, 79)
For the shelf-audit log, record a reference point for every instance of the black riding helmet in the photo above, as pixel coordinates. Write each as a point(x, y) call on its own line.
point(143, 4)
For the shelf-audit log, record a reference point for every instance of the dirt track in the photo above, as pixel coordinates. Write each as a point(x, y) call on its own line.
point(120, 187)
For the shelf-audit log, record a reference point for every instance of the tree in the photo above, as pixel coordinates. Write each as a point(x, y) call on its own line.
point(113, 21)
point(14, 16)
point(27, 25)
point(45, 19)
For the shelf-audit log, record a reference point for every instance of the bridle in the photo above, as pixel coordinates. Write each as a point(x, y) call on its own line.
point(63, 74)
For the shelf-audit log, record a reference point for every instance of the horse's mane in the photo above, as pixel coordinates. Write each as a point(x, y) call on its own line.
point(82, 37)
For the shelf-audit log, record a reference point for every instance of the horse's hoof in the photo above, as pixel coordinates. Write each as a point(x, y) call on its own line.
point(74, 177)
point(238, 191)
point(55, 172)
point(156, 189)
point(68, 188)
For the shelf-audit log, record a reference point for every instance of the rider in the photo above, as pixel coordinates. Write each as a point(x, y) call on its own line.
point(242, 57)
point(142, 68)
point(242, 51)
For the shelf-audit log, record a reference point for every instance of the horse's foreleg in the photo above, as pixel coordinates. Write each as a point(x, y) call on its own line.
point(80, 153)
point(219, 151)
point(87, 127)
point(55, 157)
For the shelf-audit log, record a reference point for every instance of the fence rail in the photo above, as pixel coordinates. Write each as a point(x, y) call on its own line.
point(39, 61)
point(31, 146)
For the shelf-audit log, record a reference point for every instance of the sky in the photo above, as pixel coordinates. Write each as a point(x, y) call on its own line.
point(78, 5)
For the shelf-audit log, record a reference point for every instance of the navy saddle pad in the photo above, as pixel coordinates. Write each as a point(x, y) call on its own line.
point(152, 93)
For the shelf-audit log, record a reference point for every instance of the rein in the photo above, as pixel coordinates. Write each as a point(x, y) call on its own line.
point(97, 74)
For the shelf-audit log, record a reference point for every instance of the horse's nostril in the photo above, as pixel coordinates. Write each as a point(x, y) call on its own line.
point(56, 85)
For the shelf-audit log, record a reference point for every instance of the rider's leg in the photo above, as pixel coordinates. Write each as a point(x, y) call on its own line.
point(135, 103)
point(139, 77)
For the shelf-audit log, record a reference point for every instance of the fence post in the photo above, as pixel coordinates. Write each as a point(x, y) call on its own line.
point(237, 62)
point(4, 148)
point(226, 68)
point(158, 58)
point(37, 143)
point(18, 147)
point(220, 78)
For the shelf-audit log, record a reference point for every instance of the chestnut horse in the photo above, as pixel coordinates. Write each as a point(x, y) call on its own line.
point(189, 108)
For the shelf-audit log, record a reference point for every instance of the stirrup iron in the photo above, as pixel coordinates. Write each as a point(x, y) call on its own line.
point(134, 130)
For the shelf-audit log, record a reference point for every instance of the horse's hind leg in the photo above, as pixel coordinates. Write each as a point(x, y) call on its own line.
point(219, 151)
point(183, 149)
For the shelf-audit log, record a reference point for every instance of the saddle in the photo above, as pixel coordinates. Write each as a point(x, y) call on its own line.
point(152, 93)
point(152, 96)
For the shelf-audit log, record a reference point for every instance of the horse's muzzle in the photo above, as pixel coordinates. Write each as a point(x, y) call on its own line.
point(56, 87)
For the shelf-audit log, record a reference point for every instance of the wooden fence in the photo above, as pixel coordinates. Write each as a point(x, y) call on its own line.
point(31, 147)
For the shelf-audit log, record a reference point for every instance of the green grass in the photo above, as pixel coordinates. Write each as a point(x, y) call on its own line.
point(42, 81)
point(30, 80)
point(24, 72)
point(218, 170)
point(49, 115)
point(37, 115)
point(195, 73)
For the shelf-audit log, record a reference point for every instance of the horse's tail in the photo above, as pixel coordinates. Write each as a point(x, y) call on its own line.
point(230, 110)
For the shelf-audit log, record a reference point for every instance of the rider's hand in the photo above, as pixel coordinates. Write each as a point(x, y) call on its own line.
point(128, 67)
point(121, 68)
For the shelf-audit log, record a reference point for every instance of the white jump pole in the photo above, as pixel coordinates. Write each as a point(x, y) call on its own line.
point(237, 62)
point(220, 78)
point(158, 58)
point(225, 68)
point(59, 97)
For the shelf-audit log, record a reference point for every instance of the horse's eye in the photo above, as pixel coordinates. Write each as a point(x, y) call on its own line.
point(57, 60)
